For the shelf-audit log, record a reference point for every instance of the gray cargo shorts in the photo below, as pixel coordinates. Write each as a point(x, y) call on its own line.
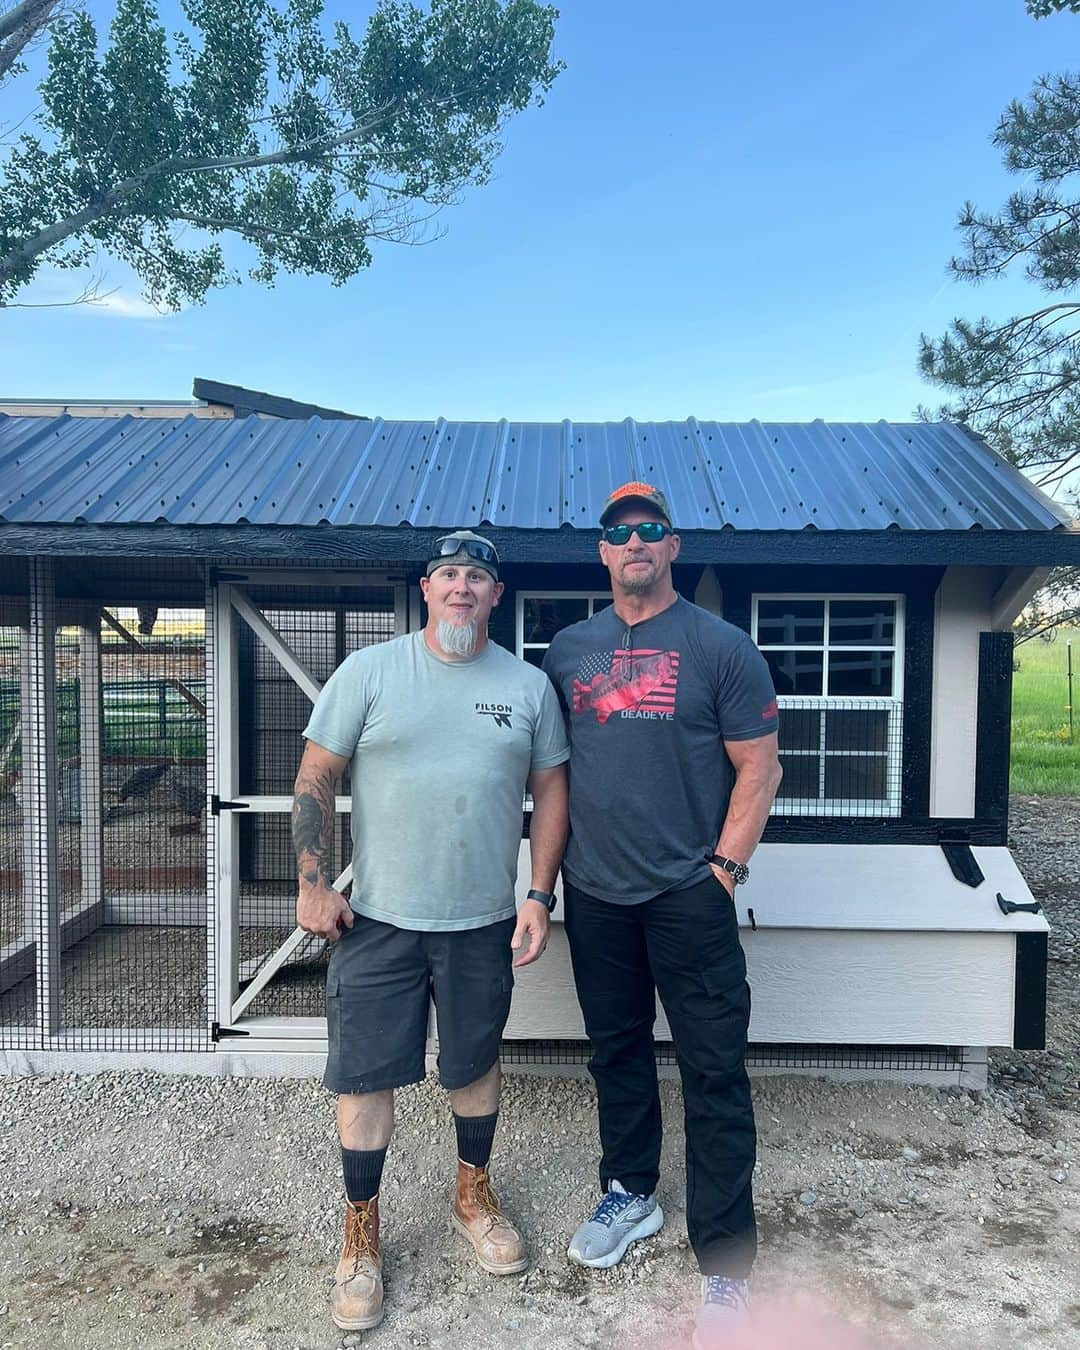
point(378, 988)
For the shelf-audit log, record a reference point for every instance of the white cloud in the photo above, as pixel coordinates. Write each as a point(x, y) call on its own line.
point(88, 292)
point(123, 306)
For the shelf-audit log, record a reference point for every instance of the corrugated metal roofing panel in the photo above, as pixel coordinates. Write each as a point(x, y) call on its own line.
point(525, 475)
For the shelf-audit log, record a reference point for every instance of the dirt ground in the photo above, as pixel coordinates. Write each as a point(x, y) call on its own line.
point(143, 1210)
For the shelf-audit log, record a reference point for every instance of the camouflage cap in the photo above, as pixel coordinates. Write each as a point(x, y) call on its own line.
point(636, 492)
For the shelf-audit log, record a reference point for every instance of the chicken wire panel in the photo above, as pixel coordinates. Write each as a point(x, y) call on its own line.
point(135, 974)
point(321, 629)
point(18, 984)
point(840, 756)
point(761, 1055)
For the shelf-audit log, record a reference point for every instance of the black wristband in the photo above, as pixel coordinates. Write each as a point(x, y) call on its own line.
point(545, 898)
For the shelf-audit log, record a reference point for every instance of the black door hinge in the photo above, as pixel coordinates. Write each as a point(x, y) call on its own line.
point(217, 805)
point(220, 1033)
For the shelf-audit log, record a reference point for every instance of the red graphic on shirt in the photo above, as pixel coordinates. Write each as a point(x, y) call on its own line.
point(769, 711)
point(612, 682)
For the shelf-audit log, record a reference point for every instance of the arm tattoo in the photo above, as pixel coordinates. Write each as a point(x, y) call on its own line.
point(313, 827)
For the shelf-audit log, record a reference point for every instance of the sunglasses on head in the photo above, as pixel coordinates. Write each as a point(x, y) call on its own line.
point(648, 531)
point(449, 547)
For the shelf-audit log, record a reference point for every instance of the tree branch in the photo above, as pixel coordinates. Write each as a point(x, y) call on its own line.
point(33, 248)
point(20, 26)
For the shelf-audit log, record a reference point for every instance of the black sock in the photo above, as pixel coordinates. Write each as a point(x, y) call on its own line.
point(475, 1136)
point(363, 1171)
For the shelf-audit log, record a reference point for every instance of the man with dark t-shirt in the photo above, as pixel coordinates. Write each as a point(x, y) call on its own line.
point(673, 769)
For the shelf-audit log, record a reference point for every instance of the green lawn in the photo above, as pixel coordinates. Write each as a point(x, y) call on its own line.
point(1044, 761)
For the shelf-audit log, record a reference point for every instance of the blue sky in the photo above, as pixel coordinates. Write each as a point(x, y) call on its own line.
point(721, 210)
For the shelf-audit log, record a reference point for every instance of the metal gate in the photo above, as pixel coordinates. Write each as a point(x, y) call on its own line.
point(276, 637)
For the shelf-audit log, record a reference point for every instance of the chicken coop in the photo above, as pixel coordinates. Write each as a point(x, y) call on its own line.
point(175, 589)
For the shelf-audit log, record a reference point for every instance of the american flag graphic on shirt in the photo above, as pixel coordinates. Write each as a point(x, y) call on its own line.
point(633, 682)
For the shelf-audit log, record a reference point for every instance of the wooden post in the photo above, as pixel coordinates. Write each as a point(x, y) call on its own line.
point(40, 794)
point(224, 824)
point(210, 821)
point(90, 747)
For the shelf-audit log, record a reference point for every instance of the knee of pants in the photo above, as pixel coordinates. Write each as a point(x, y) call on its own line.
point(614, 1034)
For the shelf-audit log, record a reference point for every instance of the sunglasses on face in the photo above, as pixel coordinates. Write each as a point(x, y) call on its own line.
point(448, 547)
point(648, 531)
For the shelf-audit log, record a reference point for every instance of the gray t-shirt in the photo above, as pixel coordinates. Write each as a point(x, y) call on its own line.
point(440, 751)
point(649, 708)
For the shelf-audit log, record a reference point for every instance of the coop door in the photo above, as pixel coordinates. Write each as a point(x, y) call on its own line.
point(277, 639)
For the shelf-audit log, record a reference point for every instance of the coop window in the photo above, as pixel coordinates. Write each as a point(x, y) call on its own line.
point(542, 614)
point(837, 665)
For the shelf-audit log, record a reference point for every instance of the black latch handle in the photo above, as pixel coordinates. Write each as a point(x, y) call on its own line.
point(1011, 907)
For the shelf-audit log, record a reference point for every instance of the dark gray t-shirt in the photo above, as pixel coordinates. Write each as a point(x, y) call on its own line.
point(648, 709)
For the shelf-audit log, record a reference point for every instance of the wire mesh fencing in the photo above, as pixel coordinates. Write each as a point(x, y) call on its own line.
point(321, 628)
point(124, 930)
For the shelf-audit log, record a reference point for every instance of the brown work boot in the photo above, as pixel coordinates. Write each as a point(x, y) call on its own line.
point(356, 1302)
point(476, 1213)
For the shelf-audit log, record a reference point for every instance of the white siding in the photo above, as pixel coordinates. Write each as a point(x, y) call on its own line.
point(826, 987)
point(962, 612)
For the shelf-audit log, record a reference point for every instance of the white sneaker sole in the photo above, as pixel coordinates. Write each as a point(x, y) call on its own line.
point(652, 1223)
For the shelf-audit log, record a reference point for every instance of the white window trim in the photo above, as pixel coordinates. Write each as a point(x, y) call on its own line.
point(850, 808)
point(520, 645)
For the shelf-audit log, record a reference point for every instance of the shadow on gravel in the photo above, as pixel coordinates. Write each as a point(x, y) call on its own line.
point(205, 1279)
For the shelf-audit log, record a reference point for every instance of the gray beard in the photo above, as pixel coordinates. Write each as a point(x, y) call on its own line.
point(456, 639)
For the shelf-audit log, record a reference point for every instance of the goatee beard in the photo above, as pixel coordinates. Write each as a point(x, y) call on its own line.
point(636, 585)
point(456, 639)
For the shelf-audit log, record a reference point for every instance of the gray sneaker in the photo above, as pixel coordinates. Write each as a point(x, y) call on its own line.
point(724, 1311)
point(618, 1220)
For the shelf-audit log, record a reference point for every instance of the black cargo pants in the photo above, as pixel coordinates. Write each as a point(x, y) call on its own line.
point(683, 944)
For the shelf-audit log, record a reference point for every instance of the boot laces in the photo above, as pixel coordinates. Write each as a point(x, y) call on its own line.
point(486, 1198)
point(359, 1235)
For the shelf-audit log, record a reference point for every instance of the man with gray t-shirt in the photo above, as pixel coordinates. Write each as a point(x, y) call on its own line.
point(442, 731)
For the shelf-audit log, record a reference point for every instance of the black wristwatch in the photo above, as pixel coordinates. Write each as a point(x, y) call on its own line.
point(739, 872)
point(545, 897)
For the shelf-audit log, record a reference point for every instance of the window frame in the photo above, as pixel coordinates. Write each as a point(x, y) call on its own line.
point(520, 645)
point(847, 808)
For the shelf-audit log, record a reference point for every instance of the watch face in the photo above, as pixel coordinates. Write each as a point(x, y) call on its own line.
point(741, 873)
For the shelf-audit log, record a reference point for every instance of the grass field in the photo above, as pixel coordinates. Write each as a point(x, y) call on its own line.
point(1044, 761)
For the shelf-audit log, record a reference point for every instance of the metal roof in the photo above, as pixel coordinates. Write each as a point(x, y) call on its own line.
point(524, 475)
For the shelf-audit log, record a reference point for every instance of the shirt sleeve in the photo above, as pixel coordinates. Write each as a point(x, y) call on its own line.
point(550, 745)
point(745, 697)
point(550, 668)
point(340, 711)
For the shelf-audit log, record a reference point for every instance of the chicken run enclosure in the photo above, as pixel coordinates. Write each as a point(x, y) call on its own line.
point(133, 940)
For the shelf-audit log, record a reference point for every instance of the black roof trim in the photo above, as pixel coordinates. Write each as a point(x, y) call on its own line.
point(374, 546)
point(249, 402)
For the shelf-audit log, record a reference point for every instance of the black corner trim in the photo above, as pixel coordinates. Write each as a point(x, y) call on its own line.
point(220, 1033)
point(962, 862)
point(1029, 1000)
point(993, 729)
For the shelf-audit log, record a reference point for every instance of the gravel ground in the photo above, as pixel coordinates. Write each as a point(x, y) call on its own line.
point(142, 1210)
